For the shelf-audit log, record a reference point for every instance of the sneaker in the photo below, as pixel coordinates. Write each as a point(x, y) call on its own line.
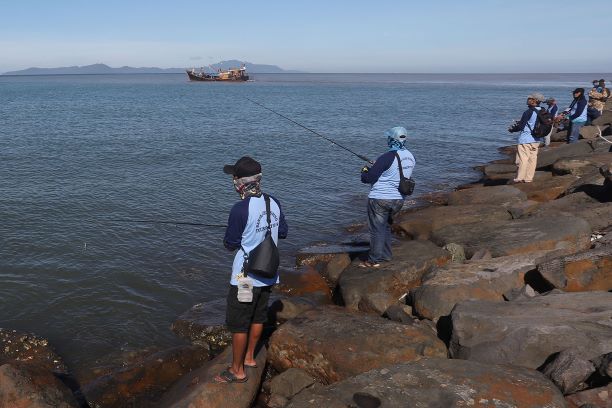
point(369, 264)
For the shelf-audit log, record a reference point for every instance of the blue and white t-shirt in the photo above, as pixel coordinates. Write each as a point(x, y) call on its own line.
point(247, 226)
point(384, 175)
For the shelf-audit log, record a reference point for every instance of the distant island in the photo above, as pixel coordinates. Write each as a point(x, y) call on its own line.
point(97, 69)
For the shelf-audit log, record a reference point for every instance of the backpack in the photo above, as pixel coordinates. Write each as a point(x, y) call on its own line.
point(263, 260)
point(406, 185)
point(543, 124)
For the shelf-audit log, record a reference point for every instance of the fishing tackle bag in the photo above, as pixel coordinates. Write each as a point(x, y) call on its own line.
point(406, 185)
point(543, 124)
point(263, 260)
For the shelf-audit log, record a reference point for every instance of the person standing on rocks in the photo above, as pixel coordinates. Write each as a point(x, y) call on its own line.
point(598, 96)
point(246, 229)
point(576, 114)
point(385, 200)
point(552, 109)
point(527, 145)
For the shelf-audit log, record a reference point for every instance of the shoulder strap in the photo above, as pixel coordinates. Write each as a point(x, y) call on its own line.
point(533, 110)
point(267, 199)
point(399, 165)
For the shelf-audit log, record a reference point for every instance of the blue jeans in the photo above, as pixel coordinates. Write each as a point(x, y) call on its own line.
point(574, 133)
point(380, 217)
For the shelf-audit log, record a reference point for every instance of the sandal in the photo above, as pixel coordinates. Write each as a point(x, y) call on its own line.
point(226, 376)
point(369, 264)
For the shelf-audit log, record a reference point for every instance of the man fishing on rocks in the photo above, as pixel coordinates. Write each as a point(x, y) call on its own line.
point(385, 199)
point(250, 221)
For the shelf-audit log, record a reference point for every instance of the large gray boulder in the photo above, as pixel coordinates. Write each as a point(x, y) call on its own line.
point(437, 383)
point(420, 224)
point(547, 190)
point(519, 236)
point(582, 148)
point(486, 279)
point(581, 205)
point(584, 271)
point(496, 195)
point(528, 332)
point(332, 343)
point(375, 289)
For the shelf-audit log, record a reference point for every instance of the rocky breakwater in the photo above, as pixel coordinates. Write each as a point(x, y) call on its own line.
point(498, 296)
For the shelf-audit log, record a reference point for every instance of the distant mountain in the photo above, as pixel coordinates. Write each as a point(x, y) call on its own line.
point(105, 69)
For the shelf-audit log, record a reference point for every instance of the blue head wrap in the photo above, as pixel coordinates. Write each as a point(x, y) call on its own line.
point(396, 137)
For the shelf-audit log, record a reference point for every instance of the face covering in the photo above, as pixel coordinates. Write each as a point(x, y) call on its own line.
point(395, 144)
point(248, 186)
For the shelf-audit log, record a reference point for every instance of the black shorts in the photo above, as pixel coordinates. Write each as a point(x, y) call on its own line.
point(239, 316)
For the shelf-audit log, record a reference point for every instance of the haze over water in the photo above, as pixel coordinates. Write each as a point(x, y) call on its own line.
point(79, 151)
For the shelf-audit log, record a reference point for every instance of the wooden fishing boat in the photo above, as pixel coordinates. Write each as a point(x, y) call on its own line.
point(232, 74)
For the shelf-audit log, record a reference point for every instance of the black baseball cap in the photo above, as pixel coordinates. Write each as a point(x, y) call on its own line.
point(244, 167)
point(579, 90)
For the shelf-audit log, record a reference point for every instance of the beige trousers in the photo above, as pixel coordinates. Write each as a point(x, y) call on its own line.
point(526, 160)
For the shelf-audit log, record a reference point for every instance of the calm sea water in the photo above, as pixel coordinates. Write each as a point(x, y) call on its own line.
point(77, 151)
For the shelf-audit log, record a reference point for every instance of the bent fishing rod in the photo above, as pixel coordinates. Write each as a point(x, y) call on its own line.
point(312, 131)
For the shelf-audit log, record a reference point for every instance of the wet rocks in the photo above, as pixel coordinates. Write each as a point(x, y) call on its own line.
point(485, 279)
point(204, 325)
point(142, 383)
point(332, 343)
point(375, 289)
point(528, 332)
point(302, 281)
point(29, 348)
point(523, 235)
point(25, 385)
point(329, 260)
point(437, 383)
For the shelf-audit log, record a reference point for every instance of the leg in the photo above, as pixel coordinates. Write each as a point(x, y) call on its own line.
point(521, 160)
point(254, 336)
point(239, 346)
point(532, 161)
point(378, 224)
point(575, 132)
point(393, 208)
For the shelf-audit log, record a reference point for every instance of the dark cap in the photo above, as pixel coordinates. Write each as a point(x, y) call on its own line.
point(578, 90)
point(602, 81)
point(244, 167)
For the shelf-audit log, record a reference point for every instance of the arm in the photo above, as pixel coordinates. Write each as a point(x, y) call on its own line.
point(382, 163)
point(283, 228)
point(580, 107)
point(236, 224)
point(520, 126)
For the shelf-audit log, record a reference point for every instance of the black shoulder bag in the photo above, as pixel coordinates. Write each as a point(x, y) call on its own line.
point(263, 260)
point(406, 185)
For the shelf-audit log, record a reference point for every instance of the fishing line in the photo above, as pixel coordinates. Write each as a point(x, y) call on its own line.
point(312, 131)
point(195, 224)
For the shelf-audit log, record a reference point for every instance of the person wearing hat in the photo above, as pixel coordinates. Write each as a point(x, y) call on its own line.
point(527, 145)
point(246, 229)
point(385, 200)
point(598, 96)
point(552, 109)
point(576, 114)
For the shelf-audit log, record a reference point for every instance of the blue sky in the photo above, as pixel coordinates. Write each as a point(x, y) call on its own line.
point(314, 35)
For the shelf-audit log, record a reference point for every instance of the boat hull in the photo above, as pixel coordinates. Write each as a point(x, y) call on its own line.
point(195, 76)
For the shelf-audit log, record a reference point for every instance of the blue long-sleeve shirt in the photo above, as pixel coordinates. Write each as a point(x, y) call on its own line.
point(384, 174)
point(246, 228)
point(553, 110)
point(579, 113)
point(528, 118)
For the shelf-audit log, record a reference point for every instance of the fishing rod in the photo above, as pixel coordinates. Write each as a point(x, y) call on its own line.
point(195, 224)
point(312, 131)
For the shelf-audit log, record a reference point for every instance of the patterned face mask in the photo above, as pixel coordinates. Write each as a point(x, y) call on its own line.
point(395, 144)
point(248, 186)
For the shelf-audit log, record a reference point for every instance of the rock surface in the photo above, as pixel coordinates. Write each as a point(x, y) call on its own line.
point(291, 382)
point(528, 332)
point(204, 325)
point(24, 385)
point(587, 270)
point(420, 224)
point(437, 383)
point(547, 190)
point(496, 195)
point(596, 398)
point(301, 281)
point(375, 289)
point(332, 343)
point(143, 383)
point(485, 279)
point(198, 389)
point(569, 370)
point(581, 205)
point(524, 235)
point(29, 348)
